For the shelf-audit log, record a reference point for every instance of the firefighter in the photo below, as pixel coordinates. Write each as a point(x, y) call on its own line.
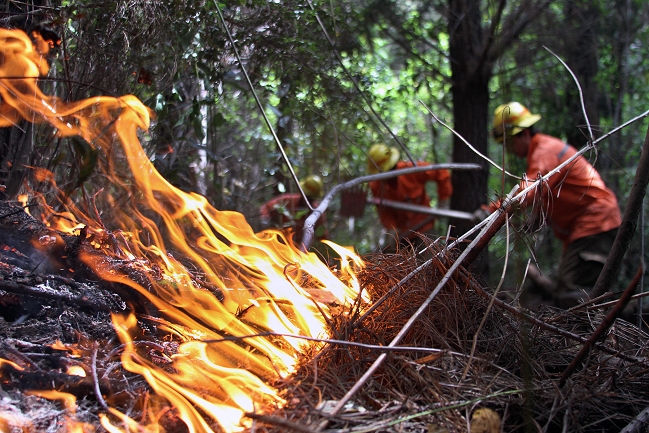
point(582, 212)
point(408, 188)
point(289, 211)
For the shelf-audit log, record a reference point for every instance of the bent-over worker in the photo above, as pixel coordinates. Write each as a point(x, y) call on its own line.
point(582, 212)
point(407, 188)
point(289, 211)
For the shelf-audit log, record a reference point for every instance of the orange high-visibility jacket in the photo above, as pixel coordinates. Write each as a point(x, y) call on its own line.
point(577, 201)
point(410, 188)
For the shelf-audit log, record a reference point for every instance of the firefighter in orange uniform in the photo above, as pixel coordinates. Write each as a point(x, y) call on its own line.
point(289, 211)
point(582, 212)
point(408, 188)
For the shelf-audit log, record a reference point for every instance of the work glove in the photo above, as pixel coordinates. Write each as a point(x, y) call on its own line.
point(480, 214)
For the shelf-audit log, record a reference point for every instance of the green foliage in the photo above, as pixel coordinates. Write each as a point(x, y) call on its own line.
point(210, 136)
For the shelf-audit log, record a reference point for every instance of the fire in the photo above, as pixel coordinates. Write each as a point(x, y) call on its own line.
point(76, 370)
point(10, 421)
point(225, 362)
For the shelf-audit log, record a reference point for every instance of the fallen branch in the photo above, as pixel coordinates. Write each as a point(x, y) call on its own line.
point(32, 380)
point(639, 423)
point(544, 325)
point(629, 223)
point(603, 327)
point(88, 296)
point(309, 224)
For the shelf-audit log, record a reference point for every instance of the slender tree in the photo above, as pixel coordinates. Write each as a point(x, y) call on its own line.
point(478, 34)
point(474, 48)
point(581, 54)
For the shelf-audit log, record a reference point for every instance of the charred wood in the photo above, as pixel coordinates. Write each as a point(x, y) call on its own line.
point(54, 287)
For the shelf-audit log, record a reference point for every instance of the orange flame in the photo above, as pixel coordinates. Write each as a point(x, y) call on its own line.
point(259, 275)
point(67, 422)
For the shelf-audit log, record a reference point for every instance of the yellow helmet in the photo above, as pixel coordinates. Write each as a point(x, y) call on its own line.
point(312, 186)
point(510, 119)
point(382, 158)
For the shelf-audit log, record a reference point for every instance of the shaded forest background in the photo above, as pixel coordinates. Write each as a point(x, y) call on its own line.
point(335, 77)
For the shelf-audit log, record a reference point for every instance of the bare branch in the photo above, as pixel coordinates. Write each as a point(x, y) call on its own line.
point(309, 224)
point(515, 25)
point(477, 152)
point(491, 36)
point(581, 93)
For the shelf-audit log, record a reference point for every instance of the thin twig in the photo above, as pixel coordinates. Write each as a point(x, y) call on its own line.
point(335, 342)
point(603, 327)
point(95, 379)
point(476, 151)
point(591, 138)
point(608, 304)
point(358, 89)
point(20, 210)
point(260, 106)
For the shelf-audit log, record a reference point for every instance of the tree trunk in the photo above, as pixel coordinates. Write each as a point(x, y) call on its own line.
point(615, 146)
point(582, 58)
point(16, 142)
point(470, 108)
point(470, 94)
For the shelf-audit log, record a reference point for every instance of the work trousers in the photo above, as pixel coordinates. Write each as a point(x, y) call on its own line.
point(580, 266)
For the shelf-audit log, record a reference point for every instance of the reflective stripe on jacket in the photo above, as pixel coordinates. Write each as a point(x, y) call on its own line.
point(579, 204)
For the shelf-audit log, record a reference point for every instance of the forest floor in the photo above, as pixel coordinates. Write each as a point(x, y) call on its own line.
point(471, 361)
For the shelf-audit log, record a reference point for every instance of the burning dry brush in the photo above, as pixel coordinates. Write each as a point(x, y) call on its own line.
point(437, 377)
point(514, 368)
point(55, 317)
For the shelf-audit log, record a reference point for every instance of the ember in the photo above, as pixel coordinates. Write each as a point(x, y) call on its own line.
point(250, 284)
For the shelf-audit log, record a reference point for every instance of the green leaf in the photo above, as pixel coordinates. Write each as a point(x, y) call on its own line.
point(88, 161)
point(218, 120)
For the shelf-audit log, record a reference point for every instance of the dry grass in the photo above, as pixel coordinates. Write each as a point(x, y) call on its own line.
point(515, 368)
point(432, 382)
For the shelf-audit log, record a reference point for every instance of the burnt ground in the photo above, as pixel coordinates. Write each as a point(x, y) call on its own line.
point(467, 351)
